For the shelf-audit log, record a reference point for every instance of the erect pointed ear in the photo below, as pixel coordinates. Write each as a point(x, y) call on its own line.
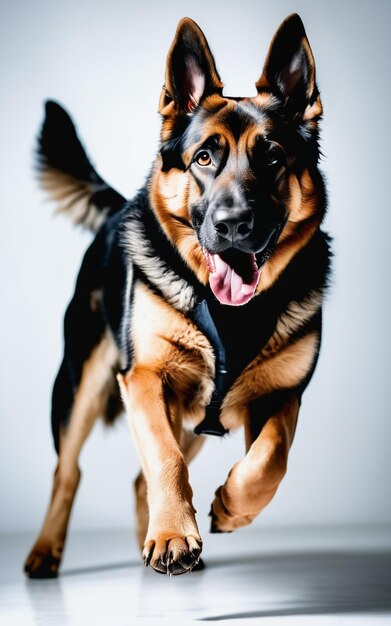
point(289, 70)
point(190, 71)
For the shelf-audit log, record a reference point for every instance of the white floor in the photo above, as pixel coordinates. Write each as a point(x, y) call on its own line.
point(255, 576)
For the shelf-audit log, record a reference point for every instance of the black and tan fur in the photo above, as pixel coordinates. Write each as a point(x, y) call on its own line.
point(131, 328)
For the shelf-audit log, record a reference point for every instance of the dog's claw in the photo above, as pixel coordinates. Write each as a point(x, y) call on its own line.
point(175, 556)
point(198, 566)
point(147, 555)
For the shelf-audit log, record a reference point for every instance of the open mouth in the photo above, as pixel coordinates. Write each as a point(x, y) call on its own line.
point(234, 275)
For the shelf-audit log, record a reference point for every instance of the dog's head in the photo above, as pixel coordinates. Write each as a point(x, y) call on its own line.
point(236, 185)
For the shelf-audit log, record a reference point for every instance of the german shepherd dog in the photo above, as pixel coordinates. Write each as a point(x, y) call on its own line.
point(199, 301)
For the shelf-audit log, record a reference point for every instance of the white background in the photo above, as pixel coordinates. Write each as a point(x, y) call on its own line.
point(105, 62)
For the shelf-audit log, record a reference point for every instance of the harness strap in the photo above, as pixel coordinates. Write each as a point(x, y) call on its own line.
point(211, 424)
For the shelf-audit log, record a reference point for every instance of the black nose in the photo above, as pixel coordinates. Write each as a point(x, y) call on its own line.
point(232, 224)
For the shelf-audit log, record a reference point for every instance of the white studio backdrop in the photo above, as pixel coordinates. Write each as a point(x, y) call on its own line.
point(105, 62)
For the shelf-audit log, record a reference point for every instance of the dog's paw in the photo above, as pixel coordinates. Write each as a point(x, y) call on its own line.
point(222, 519)
point(173, 554)
point(41, 563)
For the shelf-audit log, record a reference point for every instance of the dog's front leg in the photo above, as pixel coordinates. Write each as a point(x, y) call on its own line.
point(253, 481)
point(173, 544)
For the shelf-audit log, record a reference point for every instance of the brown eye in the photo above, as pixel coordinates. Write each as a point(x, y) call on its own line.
point(203, 158)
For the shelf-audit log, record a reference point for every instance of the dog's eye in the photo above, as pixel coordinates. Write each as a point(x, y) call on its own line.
point(203, 158)
point(273, 158)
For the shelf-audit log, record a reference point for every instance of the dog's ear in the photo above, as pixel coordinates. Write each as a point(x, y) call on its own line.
point(190, 71)
point(289, 71)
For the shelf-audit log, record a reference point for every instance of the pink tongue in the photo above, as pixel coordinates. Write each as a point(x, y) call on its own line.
point(228, 286)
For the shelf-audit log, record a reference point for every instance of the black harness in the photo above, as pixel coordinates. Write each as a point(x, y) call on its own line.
point(211, 424)
point(237, 335)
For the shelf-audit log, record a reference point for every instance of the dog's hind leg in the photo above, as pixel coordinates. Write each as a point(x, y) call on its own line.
point(88, 402)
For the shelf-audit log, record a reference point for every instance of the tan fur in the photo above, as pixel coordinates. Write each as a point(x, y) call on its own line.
point(284, 370)
point(295, 315)
point(73, 197)
point(303, 221)
point(253, 481)
point(263, 99)
point(313, 111)
point(190, 445)
point(90, 402)
point(168, 343)
point(170, 196)
point(172, 529)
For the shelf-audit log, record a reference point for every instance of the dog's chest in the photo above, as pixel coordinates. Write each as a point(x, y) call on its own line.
point(237, 334)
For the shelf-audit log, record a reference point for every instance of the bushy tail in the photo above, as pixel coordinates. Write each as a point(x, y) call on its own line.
point(66, 172)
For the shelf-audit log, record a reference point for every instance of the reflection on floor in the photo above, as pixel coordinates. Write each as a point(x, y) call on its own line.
point(284, 576)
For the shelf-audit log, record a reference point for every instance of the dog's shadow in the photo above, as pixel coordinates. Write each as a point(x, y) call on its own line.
point(309, 583)
point(272, 585)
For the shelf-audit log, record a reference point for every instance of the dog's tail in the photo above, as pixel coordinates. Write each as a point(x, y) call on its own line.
point(65, 171)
